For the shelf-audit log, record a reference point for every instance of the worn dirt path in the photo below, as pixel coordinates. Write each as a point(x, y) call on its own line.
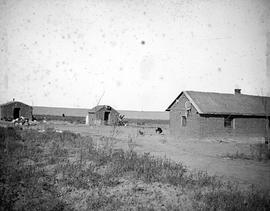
point(208, 157)
point(203, 155)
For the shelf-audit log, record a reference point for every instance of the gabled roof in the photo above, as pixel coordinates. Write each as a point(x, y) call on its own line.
point(12, 102)
point(227, 104)
point(98, 107)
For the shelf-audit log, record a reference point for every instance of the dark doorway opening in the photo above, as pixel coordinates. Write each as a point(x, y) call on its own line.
point(106, 115)
point(16, 113)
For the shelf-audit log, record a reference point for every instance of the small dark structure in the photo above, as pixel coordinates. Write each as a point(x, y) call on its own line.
point(158, 130)
point(205, 114)
point(14, 109)
point(102, 115)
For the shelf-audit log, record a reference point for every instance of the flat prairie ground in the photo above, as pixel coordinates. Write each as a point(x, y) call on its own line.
point(62, 166)
point(214, 155)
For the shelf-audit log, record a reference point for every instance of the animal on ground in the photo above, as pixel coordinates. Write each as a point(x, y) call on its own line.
point(141, 132)
point(158, 130)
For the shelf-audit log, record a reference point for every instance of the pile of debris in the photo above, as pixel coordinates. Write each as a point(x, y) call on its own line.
point(23, 121)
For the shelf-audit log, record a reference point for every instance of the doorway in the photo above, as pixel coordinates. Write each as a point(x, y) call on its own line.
point(16, 113)
point(106, 116)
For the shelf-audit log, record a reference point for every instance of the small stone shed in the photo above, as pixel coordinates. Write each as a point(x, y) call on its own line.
point(14, 109)
point(207, 114)
point(102, 115)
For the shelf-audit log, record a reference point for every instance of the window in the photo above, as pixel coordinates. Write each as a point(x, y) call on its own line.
point(228, 122)
point(184, 121)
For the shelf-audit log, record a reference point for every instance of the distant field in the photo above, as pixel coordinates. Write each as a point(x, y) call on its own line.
point(81, 112)
point(145, 122)
point(77, 115)
point(153, 115)
point(57, 111)
point(71, 119)
point(81, 120)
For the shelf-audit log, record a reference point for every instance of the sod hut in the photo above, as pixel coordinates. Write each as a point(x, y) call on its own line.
point(102, 115)
point(14, 109)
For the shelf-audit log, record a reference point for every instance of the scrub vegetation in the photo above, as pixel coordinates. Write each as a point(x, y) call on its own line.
point(258, 152)
point(52, 170)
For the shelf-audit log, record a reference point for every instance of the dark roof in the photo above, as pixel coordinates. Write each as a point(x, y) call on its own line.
point(12, 102)
point(98, 107)
point(229, 104)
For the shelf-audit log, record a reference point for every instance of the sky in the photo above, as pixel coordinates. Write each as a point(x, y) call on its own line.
point(131, 54)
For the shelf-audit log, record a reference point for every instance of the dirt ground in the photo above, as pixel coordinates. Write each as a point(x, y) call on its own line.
point(205, 154)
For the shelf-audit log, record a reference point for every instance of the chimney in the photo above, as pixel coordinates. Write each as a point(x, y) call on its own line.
point(13, 99)
point(237, 91)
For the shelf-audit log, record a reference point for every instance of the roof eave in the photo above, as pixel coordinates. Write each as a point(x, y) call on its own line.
point(192, 102)
point(233, 114)
point(169, 108)
point(189, 98)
